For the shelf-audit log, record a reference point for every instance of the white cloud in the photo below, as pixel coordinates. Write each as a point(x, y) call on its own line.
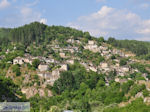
point(24, 15)
point(43, 20)
point(112, 22)
point(4, 4)
point(28, 15)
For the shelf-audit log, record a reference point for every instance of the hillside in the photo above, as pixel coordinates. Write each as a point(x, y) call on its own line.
point(59, 68)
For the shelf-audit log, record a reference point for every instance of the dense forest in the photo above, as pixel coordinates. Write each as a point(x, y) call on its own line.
point(38, 33)
point(140, 48)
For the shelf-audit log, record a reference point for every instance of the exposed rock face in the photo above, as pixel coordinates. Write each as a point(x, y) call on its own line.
point(138, 95)
point(42, 67)
point(41, 92)
point(31, 91)
point(147, 100)
point(26, 79)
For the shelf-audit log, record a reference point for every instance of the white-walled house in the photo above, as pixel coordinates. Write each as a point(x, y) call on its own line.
point(62, 55)
point(18, 60)
point(94, 69)
point(104, 65)
point(27, 60)
point(49, 60)
point(64, 67)
point(45, 75)
point(43, 67)
point(70, 61)
point(90, 42)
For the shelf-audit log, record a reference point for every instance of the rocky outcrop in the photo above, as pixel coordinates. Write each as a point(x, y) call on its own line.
point(32, 91)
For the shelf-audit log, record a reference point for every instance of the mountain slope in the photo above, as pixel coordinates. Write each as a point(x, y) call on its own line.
point(59, 68)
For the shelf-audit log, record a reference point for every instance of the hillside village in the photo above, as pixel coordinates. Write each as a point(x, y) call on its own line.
point(60, 68)
point(49, 68)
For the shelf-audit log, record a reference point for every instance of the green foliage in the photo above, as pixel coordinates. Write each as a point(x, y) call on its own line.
point(145, 93)
point(4, 34)
point(123, 62)
point(79, 90)
point(96, 58)
point(35, 63)
point(113, 57)
point(135, 106)
point(136, 88)
point(100, 84)
point(126, 86)
point(140, 67)
point(137, 47)
point(66, 81)
point(101, 39)
point(28, 34)
point(76, 89)
point(112, 75)
point(16, 69)
point(8, 90)
point(59, 32)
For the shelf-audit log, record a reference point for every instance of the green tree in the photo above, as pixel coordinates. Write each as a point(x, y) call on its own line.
point(123, 62)
point(16, 69)
point(65, 82)
point(35, 63)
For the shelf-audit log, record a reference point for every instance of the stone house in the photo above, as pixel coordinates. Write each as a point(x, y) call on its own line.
point(45, 75)
point(57, 46)
point(116, 60)
point(103, 65)
point(94, 69)
point(138, 95)
point(120, 74)
point(70, 61)
point(64, 67)
point(78, 41)
point(105, 52)
point(28, 60)
point(71, 41)
point(18, 60)
point(106, 69)
point(91, 42)
point(62, 55)
point(43, 67)
point(147, 99)
point(117, 65)
point(125, 69)
point(129, 55)
point(92, 47)
point(49, 60)
point(120, 80)
point(53, 77)
point(71, 50)
point(56, 72)
point(102, 48)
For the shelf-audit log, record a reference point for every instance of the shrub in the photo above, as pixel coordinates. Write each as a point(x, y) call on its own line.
point(123, 62)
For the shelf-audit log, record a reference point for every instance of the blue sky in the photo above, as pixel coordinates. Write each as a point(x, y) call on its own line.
point(122, 19)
